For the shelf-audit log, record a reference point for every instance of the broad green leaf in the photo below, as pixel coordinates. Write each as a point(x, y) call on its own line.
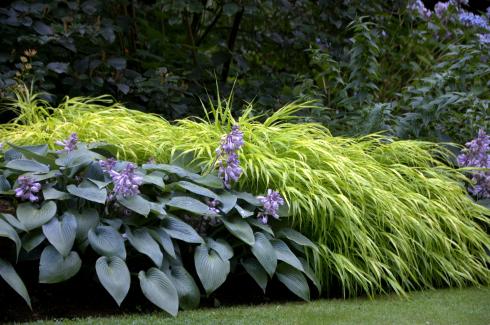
point(171, 169)
point(161, 236)
point(88, 191)
point(39, 177)
point(32, 239)
point(187, 289)
point(197, 189)
point(136, 203)
point(77, 158)
point(38, 153)
point(106, 241)
point(159, 289)
point(7, 231)
point(209, 180)
point(27, 165)
point(13, 221)
point(265, 253)
point(4, 184)
point(242, 212)
point(87, 219)
point(114, 276)
point(296, 237)
point(210, 268)
point(294, 280)
point(32, 217)
point(178, 229)
point(145, 244)
point(310, 274)
point(54, 268)
point(99, 184)
point(50, 193)
point(61, 233)
point(190, 204)
point(239, 228)
point(228, 201)
point(285, 254)
point(249, 198)
point(7, 272)
point(256, 271)
point(256, 223)
point(220, 246)
point(155, 178)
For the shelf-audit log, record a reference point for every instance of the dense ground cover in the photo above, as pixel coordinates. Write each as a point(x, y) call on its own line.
point(449, 306)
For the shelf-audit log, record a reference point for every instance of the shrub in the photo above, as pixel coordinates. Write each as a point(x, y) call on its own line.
point(150, 220)
point(386, 215)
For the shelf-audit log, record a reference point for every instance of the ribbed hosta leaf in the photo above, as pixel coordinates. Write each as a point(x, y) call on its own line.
point(187, 289)
point(159, 289)
point(285, 254)
point(4, 184)
point(197, 189)
point(27, 165)
point(7, 231)
point(87, 219)
point(7, 272)
point(50, 193)
point(296, 237)
point(190, 204)
point(249, 198)
point(61, 233)
point(210, 268)
point(240, 228)
point(114, 276)
point(265, 253)
point(145, 244)
point(220, 246)
point(13, 221)
point(164, 240)
point(178, 229)
point(32, 217)
point(310, 274)
point(106, 241)
point(228, 201)
point(256, 271)
point(54, 268)
point(136, 204)
point(256, 223)
point(88, 191)
point(294, 280)
point(242, 212)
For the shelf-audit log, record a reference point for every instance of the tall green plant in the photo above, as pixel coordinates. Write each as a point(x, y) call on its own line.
point(386, 215)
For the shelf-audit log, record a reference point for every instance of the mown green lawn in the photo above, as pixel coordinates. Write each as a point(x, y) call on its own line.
point(449, 306)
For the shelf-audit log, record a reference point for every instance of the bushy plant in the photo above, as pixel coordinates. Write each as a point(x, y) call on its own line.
point(149, 220)
point(387, 215)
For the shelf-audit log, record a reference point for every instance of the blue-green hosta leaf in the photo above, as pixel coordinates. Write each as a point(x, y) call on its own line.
point(155, 178)
point(77, 158)
point(7, 231)
point(159, 289)
point(294, 280)
point(197, 189)
point(13, 221)
point(88, 191)
point(4, 184)
point(242, 212)
point(178, 229)
point(54, 268)
point(310, 274)
point(136, 203)
point(221, 246)
point(228, 201)
point(296, 237)
point(285, 254)
point(38, 153)
point(190, 204)
point(161, 236)
point(32, 217)
point(249, 198)
point(209, 180)
point(7, 272)
point(32, 239)
point(27, 165)
point(106, 241)
point(171, 169)
point(239, 228)
point(114, 276)
point(99, 184)
point(145, 244)
point(50, 193)
point(39, 177)
point(256, 223)
point(256, 271)
point(87, 219)
point(265, 253)
point(187, 289)
point(61, 233)
point(211, 268)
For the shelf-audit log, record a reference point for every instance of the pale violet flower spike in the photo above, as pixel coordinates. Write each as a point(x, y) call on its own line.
point(229, 164)
point(108, 164)
point(271, 203)
point(441, 8)
point(231, 171)
point(126, 183)
point(419, 7)
point(232, 142)
point(27, 189)
point(68, 145)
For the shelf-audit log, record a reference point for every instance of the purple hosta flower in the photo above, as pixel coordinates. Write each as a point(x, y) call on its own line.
point(441, 8)
point(470, 19)
point(481, 187)
point(263, 218)
point(484, 38)
point(69, 145)
point(108, 164)
point(213, 206)
point(419, 7)
point(232, 142)
point(477, 154)
point(231, 170)
point(27, 189)
point(271, 203)
point(126, 183)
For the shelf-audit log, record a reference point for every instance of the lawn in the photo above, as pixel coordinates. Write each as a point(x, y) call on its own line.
point(447, 306)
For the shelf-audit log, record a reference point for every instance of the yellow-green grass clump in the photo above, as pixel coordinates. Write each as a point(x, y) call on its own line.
point(387, 215)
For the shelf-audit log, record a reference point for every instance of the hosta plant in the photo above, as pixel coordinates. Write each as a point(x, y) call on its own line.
point(153, 224)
